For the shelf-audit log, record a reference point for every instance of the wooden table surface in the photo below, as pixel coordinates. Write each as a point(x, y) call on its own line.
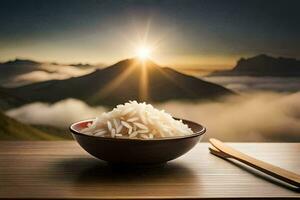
point(63, 170)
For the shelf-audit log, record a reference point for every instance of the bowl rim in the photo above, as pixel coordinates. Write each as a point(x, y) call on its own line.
point(195, 134)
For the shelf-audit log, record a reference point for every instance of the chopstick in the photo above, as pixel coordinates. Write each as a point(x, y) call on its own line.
point(222, 150)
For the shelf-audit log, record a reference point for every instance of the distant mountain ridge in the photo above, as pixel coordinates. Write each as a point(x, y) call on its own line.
point(123, 81)
point(21, 62)
point(24, 71)
point(263, 65)
point(13, 68)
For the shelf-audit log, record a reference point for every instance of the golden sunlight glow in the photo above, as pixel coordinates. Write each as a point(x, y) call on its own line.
point(143, 52)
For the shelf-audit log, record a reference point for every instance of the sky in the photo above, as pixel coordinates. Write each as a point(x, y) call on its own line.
point(186, 33)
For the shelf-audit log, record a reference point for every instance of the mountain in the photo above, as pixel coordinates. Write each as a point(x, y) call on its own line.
point(11, 129)
point(21, 72)
point(126, 80)
point(86, 66)
point(16, 67)
point(263, 65)
point(9, 100)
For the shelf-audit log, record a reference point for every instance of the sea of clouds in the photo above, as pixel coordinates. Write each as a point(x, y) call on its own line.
point(47, 72)
point(60, 114)
point(255, 116)
point(249, 83)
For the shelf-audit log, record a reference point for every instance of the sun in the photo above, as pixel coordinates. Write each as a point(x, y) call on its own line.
point(143, 52)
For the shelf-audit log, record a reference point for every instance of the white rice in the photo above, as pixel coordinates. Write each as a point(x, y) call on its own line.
point(136, 120)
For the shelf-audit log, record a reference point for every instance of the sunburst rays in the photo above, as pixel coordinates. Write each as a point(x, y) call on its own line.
point(144, 83)
point(142, 47)
point(115, 82)
point(138, 66)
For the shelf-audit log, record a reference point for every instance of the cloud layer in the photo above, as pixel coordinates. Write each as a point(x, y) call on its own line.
point(259, 117)
point(60, 114)
point(252, 117)
point(244, 83)
point(46, 72)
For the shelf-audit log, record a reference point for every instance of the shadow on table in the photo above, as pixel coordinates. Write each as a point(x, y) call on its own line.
point(89, 170)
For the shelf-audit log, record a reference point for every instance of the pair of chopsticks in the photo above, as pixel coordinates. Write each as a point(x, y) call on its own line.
point(222, 150)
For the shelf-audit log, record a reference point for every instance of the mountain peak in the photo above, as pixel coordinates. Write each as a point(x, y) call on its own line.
point(22, 62)
point(137, 61)
point(264, 65)
point(263, 56)
point(258, 57)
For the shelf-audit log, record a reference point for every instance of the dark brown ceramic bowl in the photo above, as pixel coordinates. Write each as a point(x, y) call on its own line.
point(137, 151)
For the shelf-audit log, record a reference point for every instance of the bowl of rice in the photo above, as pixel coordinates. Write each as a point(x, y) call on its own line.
point(137, 133)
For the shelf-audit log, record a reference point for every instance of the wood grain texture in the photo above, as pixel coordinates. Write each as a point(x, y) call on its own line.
point(272, 170)
point(63, 170)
